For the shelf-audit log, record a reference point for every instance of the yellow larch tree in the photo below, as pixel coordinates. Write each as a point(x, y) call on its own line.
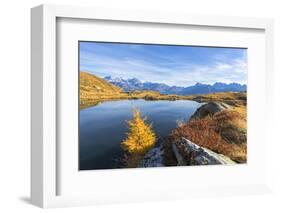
point(140, 137)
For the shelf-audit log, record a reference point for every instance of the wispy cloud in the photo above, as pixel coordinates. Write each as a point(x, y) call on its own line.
point(173, 65)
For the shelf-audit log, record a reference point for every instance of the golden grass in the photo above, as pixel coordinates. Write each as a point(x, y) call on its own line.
point(232, 98)
point(91, 83)
point(94, 90)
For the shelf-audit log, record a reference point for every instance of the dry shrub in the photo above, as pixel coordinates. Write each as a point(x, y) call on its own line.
point(214, 132)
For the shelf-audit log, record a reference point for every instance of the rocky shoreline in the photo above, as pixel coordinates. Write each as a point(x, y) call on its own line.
point(183, 150)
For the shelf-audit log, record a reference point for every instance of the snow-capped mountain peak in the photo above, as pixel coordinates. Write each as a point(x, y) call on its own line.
point(199, 88)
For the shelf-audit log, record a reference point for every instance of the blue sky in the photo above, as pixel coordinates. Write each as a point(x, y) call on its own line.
point(172, 65)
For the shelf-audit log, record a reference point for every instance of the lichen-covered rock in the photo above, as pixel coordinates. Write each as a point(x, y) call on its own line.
point(188, 153)
point(209, 108)
point(154, 158)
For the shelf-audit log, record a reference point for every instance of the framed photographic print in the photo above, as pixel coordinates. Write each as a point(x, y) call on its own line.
point(130, 105)
point(163, 105)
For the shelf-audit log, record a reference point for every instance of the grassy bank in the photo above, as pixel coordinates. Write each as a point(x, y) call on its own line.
point(238, 100)
point(94, 90)
point(224, 132)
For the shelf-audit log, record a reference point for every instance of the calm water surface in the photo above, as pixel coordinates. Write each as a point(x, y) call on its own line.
point(103, 127)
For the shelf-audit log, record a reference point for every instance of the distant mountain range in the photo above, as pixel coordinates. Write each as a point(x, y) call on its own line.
point(135, 84)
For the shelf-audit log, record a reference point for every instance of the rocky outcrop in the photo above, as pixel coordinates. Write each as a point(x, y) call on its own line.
point(209, 108)
point(188, 153)
point(183, 151)
point(154, 158)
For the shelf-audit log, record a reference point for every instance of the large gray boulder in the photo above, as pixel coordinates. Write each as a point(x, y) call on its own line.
point(209, 108)
point(188, 153)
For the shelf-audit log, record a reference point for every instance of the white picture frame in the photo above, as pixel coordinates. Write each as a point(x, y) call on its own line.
point(44, 148)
